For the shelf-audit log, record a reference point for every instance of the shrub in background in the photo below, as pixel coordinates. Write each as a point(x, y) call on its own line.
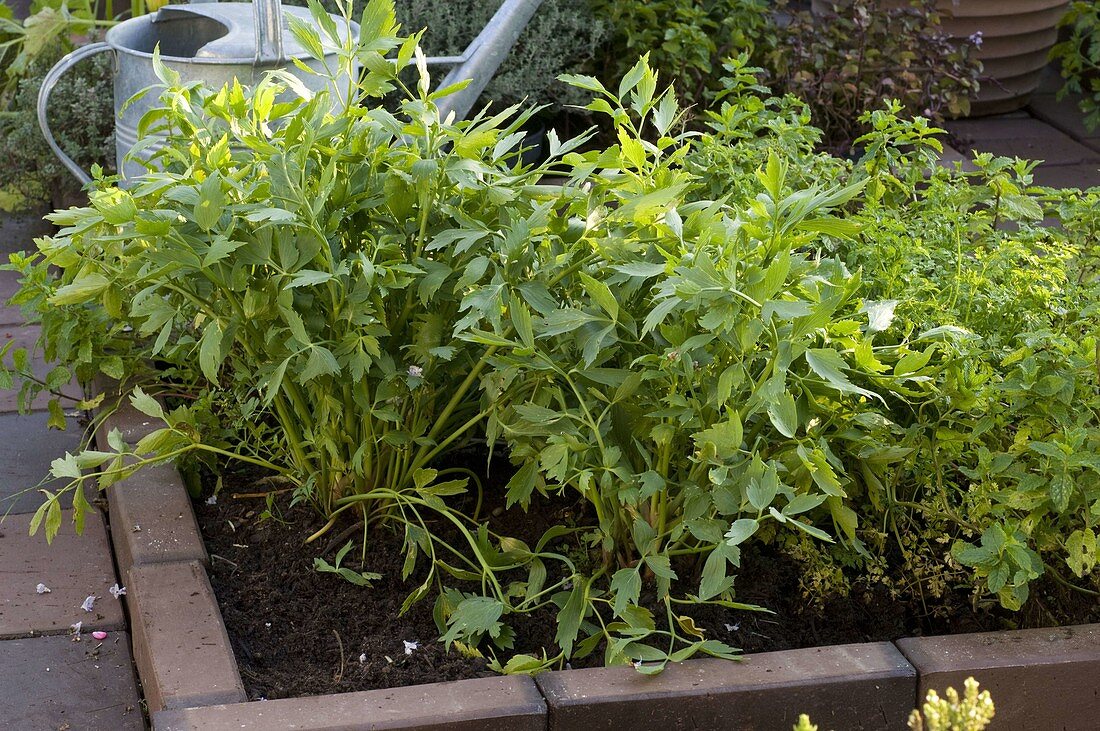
point(686, 40)
point(562, 37)
point(81, 116)
point(840, 64)
point(845, 63)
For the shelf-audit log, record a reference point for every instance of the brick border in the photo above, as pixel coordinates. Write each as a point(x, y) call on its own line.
point(1040, 678)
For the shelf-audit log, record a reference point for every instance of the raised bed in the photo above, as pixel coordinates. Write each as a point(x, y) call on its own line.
point(1040, 679)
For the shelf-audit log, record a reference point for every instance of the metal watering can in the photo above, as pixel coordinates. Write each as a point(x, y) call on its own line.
point(210, 42)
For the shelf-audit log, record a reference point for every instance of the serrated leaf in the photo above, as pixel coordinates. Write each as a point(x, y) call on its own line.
point(321, 362)
point(210, 351)
point(146, 404)
point(828, 364)
point(626, 587)
point(783, 413)
point(570, 617)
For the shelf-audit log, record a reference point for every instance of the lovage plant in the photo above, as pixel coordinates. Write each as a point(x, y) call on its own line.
point(298, 261)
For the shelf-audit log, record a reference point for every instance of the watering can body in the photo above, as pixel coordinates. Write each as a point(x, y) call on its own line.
point(215, 43)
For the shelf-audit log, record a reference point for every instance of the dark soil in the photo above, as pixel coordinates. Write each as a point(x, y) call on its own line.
point(299, 632)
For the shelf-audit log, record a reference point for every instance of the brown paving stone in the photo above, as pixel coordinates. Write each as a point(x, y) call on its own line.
point(151, 516)
point(26, 449)
point(1068, 176)
point(73, 567)
point(25, 336)
point(123, 417)
point(152, 520)
point(1066, 116)
point(865, 686)
point(9, 285)
point(181, 649)
point(50, 683)
point(1025, 138)
point(1039, 679)
point(485, 704)
point(18, 231)
point(951, 156)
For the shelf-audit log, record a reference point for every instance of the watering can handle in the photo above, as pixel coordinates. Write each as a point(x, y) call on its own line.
point(268, 19)
point(48, 84)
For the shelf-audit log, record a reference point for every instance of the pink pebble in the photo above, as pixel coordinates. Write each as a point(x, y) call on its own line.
point(99, 635)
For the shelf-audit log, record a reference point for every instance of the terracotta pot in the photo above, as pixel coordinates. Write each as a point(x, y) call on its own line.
point(1017, 36)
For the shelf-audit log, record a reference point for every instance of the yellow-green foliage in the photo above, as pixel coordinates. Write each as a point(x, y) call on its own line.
point(972, 712)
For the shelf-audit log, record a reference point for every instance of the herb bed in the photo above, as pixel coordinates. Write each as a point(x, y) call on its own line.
point(297, 632)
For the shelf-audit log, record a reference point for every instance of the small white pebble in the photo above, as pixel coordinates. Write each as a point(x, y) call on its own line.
point(362, 658)
point(267, 624)
point(42, 589)
point(89, 603)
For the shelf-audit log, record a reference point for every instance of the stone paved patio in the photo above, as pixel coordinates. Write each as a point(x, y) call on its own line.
point(53, 679)
point(1047, 130)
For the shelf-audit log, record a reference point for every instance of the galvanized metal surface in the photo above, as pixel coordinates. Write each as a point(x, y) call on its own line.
point(217, 43)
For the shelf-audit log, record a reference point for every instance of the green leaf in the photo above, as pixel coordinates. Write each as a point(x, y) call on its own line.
point(81, 290)
point(970, 555)
point(626, 588)
point(658, 314)
point(321, 362)
point(53, 520)
point(210, 351)
point(146, 404)
point(474, 617)
point(714, 580)
point(726, 436)
point(1081, 550)
point(570, 617)
point(1061, 491)
point(741, 530)
point(828, 364)
point(522, 485)
point(601, 295)
point(783, 413)
point(211, 203)
point(521, 321)
point(803, 503)
point(762, 491)
point(308, 278)
point(661, 566)
point(56, 419)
